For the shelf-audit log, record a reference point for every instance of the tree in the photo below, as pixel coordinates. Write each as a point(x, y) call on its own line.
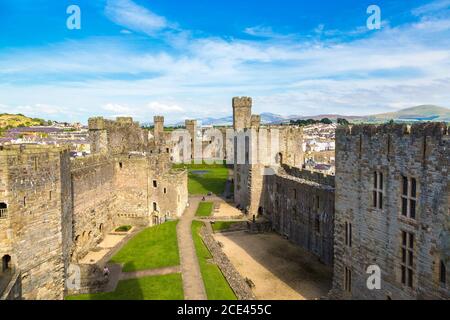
point(326, 121)
point(343, 122)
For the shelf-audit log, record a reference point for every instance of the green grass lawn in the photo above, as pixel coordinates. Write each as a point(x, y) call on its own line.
point(204, 209)
point(223, 225)
point(217, 287)
point(212, 181)
point(167, 287)
point(152, 248)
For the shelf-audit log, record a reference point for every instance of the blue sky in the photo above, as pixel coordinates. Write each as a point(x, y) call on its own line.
point(187, 59)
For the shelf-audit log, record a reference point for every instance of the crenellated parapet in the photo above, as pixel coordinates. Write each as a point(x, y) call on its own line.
point(436, 129)
point(242, 102)
point(117, 136)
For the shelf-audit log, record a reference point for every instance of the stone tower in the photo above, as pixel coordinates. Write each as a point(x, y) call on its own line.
point(255, 121)
point(191, 127)
point(98, 135)
point(242, 112)
point(158, 122)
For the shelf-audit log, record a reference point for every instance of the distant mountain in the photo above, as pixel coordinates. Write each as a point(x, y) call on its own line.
point(419, 113)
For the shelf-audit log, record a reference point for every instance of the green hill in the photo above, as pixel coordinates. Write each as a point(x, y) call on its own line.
point(419, 113)
point(8, 121)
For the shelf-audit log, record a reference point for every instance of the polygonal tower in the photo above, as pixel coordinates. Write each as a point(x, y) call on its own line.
point(242, 112)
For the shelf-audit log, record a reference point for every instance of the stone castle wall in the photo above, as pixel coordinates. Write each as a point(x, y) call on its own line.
point(299, 204)
point(257, 147)
point(420, 152)
point(303, 211)
point(94, 196)
point(38, 220)
point(60, 208)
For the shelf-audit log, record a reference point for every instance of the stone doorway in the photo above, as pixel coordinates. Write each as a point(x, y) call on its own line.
point(6, 263)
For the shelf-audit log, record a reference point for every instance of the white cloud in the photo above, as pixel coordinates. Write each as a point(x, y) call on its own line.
point(431, 7)
point(156, 106)
point(397, 66)
point(117, 108)
point(128, 14)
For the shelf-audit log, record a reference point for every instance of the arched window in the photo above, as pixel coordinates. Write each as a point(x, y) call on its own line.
point(3, 210)
point(6, 263)
point(260, 211)
point(155, 206)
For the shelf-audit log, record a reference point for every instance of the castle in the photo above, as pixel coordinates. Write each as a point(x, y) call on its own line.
point(386, 209)
point(55, 209)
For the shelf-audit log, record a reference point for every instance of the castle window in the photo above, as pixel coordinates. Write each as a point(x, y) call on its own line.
point(6, 263)
point(442, 273)
point(409, 197)
point(378, 190)
point(348, 279)
point(317, 203)
point(317, 225)
point(24, 201)
point(348, 234)
point(3, 210)
point(50, 195)
point(247, 150)
point(35, 163)
point(155, 184)
point(295, 194)
point(155, 206)
point(120, 165)
point(407, 262)
point(165, 190)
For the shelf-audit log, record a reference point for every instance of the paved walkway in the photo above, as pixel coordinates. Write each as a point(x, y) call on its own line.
point(151, 272)
point(192, 279)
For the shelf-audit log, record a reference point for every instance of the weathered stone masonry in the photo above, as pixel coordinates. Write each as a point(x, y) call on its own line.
point(299, 204)
point(35, 230)
point(375, 167)
point(54, 209)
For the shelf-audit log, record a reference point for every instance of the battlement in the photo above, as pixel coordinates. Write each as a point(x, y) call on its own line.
point(17, 149)
point(432, 129)
point(190, 122)
point(158, 119)
point(316, 177)
point(99, 123)
point(96, 123)
point(255, 120)
point(242, 102)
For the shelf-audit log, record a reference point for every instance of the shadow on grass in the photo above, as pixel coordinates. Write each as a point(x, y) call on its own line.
point(210, 182)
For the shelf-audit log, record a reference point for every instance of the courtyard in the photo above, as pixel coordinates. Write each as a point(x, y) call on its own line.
point(278, 269)
point(205, 178)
